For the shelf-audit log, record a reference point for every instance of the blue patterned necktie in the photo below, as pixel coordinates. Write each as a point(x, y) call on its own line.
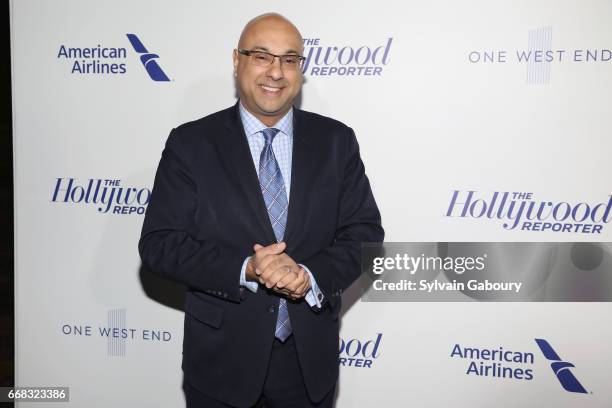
point(275, 197)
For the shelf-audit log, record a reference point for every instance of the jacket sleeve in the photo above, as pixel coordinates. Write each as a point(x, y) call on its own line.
point(336, 267)
point(169, 244)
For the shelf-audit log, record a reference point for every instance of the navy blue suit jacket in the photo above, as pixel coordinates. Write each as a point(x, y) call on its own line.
point(206, 212)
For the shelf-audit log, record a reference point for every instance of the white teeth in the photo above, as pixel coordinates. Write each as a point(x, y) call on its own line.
point(269, 89)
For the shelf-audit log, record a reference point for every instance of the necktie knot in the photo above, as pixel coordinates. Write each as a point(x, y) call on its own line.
point(269, 134)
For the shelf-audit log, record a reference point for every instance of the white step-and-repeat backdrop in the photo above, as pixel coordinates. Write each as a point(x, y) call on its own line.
point(456, 104)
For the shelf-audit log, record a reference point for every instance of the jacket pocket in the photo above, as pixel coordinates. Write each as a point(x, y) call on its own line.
point(204, 311)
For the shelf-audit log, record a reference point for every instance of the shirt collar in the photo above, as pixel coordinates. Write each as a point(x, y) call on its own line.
point(252, 125)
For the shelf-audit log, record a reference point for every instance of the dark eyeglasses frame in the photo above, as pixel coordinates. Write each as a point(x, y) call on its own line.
point(248, 53)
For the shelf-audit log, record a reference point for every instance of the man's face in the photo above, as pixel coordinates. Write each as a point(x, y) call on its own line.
point(268, 91)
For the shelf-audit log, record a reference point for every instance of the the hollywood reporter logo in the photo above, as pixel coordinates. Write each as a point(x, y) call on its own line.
point(521, 211)
point(358, 352)
point(108, 195)
point(345, 60)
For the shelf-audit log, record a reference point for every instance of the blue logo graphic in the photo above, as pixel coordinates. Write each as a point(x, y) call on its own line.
point(148, 60)
point(345, 60)
point(561, 368)
point(521, 211)
point(359, 353)
point(108, 195)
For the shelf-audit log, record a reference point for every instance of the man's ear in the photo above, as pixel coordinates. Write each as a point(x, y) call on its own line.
point(235, 56)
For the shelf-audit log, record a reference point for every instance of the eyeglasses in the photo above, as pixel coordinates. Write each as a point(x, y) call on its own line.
point(264, 59)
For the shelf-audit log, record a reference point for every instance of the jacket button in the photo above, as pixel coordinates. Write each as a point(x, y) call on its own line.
point(271, 309)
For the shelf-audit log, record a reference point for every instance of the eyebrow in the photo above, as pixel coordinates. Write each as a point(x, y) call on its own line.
point(257, 47)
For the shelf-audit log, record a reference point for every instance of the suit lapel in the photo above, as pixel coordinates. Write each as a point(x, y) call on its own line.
point(235, 152)
point(302, 175)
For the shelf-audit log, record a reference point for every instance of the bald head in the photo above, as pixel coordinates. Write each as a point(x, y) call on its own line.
point(269, 21)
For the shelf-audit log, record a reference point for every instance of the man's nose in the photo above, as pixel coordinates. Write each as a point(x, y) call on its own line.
point(275, 70)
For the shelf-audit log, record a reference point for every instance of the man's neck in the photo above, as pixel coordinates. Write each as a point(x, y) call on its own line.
point(269, 121)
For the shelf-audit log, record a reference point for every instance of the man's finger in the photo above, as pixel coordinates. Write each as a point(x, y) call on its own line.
point(261, 253)
point(288, 280)
point(271, 261)
point(270, 264)
point(283, 292)
point(273, 278)
point(273, 249)
point(304, 287)
point(297, 282)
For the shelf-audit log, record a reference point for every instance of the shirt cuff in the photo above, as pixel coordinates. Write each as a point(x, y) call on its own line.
point(252, 286)
point(314, 296)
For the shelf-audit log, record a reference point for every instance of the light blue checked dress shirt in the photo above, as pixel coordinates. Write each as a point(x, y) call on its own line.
point(283, 149)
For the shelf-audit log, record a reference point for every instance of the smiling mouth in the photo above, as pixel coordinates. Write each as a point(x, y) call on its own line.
point(270, 88)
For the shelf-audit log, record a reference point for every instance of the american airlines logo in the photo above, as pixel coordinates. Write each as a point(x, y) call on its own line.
point(561, 368)
point(97, 59)
point(506, 363)
point(148, 59)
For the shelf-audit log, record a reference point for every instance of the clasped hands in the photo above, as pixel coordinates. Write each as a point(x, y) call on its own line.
point(272, 267)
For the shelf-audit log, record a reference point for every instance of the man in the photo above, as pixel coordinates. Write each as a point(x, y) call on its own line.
point(260, 209)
